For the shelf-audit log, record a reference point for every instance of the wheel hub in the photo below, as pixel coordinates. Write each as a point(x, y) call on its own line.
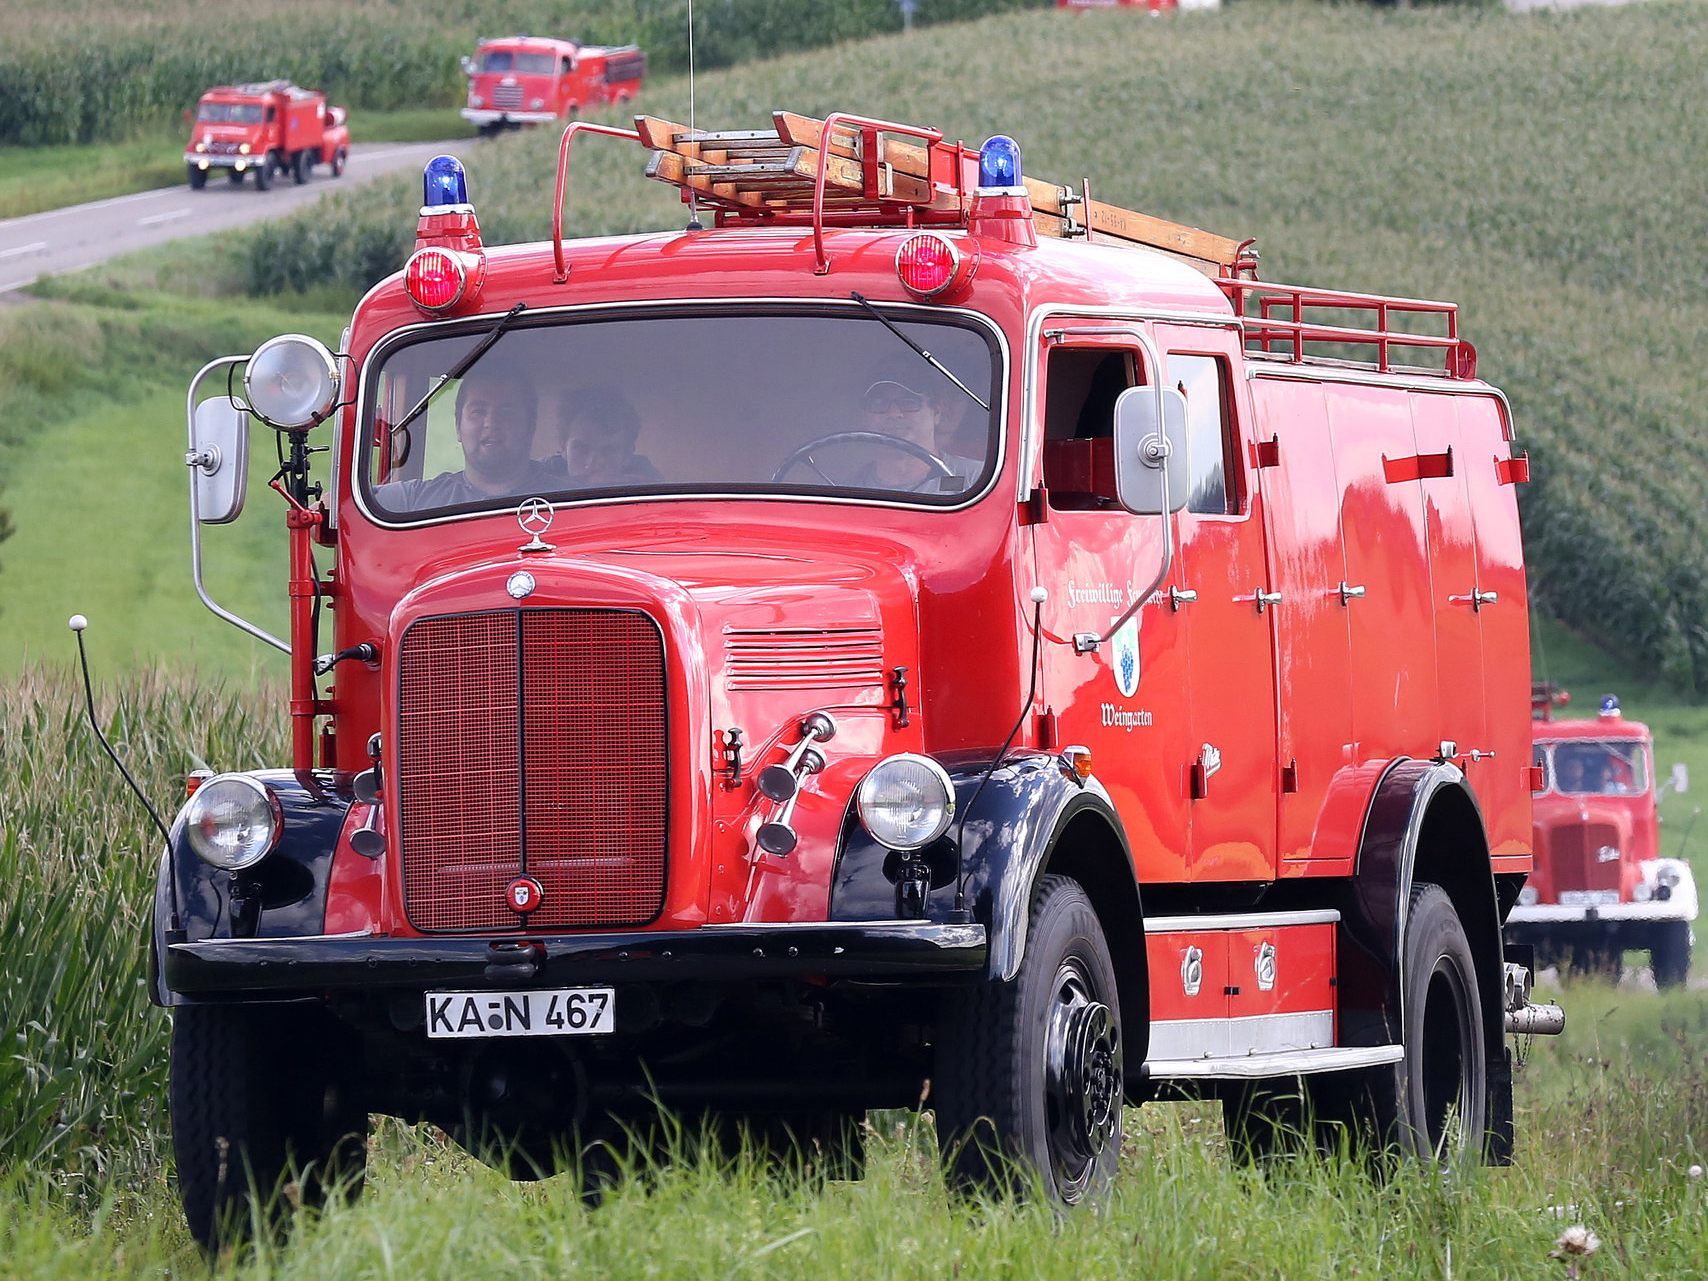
point(1082, 1077)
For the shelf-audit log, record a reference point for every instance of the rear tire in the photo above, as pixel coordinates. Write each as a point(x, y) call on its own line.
point(1028, 1077)
point(1669, 954)
point(259, 1093)
point(1433, 1104)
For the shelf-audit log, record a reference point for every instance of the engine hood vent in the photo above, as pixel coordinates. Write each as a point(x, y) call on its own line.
point(790, 658)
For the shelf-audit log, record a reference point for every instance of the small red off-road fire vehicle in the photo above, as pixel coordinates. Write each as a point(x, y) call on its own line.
point(528, 80)
point(918, 633)
point(265, 129)
point(1600, 886)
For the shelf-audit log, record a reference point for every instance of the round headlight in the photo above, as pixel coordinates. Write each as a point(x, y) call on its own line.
point(291, 382)
point(906, 802)
point(1667, 875)
point(232, 821)
point(243, 148)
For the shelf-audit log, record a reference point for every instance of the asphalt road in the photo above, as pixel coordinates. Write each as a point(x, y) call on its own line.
point(80, 236)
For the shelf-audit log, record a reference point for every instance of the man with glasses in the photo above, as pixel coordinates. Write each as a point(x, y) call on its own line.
point(495, 411)
point(899, 403)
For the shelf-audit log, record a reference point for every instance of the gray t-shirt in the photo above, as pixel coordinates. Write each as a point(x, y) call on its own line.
point(453, 488)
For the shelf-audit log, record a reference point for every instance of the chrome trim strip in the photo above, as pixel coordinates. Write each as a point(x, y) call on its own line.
point(1292, 1063)
point(1241, 921)
point(1212, 1038)
point(983, 322)
point(242, 624)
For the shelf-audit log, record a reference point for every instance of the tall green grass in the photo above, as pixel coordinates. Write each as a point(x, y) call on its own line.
point(1542, 170)
point(97, 69)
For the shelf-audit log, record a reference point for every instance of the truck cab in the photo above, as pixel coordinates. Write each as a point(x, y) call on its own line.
point(916, 634)
point(1601, 886)
point(264, 129)
point(530, 80)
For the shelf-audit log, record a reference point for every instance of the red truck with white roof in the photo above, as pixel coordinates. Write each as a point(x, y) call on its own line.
point(919, 633)
point(264, 129)
point(1601, 885)
point(531, 80)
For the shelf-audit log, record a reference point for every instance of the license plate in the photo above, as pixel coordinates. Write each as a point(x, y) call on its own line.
point(570, 1011)
point(1588, 898)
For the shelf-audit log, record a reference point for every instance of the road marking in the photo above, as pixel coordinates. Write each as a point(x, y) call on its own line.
point(169, 216)
point(23, 249)
point(86, 208)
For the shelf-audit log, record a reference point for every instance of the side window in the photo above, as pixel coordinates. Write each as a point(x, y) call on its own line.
point(272, 112)
point(566, 66)
point(1081, 386)
point(1211, 457)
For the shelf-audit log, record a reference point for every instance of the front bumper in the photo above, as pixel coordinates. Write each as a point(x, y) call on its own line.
point(878, 950)
point(222, 162)
point(477, 116)
point(1678, 908)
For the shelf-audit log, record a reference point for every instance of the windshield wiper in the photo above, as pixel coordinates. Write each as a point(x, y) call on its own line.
point(461, 367)
point(936, 364)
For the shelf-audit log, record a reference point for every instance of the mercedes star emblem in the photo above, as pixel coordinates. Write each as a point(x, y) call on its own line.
point(535, 518)
point(520, 584)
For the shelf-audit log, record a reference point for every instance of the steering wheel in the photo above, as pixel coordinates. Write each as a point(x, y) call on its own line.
point(802, 457)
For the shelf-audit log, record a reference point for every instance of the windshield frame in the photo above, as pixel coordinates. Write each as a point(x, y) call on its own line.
point(361, 486)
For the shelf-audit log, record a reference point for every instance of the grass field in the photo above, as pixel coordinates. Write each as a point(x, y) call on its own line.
point(1611, 1116)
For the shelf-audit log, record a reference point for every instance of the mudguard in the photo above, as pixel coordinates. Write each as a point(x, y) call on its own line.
point(290, 882)
point(1008, 833)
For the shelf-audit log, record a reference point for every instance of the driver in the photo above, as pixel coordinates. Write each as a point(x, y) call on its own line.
point(495, 411)
point(900, 402)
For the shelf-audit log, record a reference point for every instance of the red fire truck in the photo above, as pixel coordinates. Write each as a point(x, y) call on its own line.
point(919, 632)
point(528, 80)
point(1601, 886)
point(265, 129)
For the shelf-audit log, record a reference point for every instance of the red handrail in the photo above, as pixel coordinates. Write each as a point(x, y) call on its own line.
point(869, 131)
point(575, 127)
point(1281, 319)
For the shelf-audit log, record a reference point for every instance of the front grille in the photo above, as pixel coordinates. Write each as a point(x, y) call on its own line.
point(1574, 849)
point(532, 741)
point(507, 97)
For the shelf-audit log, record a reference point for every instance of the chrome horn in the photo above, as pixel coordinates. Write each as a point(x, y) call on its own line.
point(777, 836)
point(780, 782)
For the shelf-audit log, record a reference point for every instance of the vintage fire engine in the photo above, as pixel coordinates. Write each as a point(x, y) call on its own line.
point(978, 651)
point(529, 80)
point(265, 129)
point(1601, 886)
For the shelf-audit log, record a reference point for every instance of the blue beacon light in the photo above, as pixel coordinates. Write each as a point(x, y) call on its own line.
point(999, 165)
point(1610, 706)
point(443, 183)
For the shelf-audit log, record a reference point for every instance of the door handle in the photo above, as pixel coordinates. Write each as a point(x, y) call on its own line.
point(1476, 600)
point(1260, 598)
point(1349, 592)
point(1178, 596)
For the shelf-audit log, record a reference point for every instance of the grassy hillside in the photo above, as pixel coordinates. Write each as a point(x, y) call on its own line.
point(1611, 1116)
point(99, 69)
point(1543, 170)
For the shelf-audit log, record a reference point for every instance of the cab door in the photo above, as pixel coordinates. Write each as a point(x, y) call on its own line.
point(1225, 607)
point(1125, 700)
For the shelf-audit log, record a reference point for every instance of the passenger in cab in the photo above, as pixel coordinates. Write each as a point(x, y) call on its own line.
point(600, 429)
point(495, 416)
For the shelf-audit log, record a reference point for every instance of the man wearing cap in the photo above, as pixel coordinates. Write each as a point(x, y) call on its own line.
point(898, 403)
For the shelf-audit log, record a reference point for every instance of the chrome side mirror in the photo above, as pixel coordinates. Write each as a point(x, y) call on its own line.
point(467, 64)
point(1150, 458)
point(1679, 782)
point(218, 460)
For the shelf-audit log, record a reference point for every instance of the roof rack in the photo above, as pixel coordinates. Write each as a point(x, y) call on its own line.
point(1286, 322)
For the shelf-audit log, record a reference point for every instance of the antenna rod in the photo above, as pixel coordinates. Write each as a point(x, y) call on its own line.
point(78, 624)
point(693, 196)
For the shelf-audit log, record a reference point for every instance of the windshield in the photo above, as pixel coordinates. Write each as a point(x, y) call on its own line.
point(1595, 767)
point(780, 403)
point(530, 64)
point(230, 113)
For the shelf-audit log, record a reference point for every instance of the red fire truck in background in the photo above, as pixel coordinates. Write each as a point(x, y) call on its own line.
point(527, 80)
point(267, 128)
point(1601, 886)
point(918, 632)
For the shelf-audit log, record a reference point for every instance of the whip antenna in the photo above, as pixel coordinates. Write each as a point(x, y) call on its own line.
point(693, 197)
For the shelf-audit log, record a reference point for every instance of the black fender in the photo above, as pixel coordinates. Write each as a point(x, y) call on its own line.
point(1030, 816)
point(291, 881)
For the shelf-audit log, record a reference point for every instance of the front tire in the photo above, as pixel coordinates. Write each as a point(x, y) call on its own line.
point(339, 158)
point(1028, 1076)
point(258, 1092)
point(1669, 954)
point(300, 165)
point(197, 176)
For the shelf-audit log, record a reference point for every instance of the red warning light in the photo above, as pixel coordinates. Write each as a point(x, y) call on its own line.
point(929, 264)
point(435, 278)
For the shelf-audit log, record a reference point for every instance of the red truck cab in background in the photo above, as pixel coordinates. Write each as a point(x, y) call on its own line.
point(919, 632)
point(1601, 886)
point(530, 80)
point(264, 129)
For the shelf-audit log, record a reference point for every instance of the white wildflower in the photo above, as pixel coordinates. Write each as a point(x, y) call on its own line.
point(1694, 1172)
point(1576, 1242)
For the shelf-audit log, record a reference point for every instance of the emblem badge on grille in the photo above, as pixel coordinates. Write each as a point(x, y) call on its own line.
point(520, 584)
point(535, 517)
point(524, 895)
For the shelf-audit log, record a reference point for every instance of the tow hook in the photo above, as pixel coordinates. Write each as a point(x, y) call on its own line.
point(1523, 1016)
point(514, 960)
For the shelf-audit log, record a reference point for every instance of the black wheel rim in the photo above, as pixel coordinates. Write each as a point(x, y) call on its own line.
point(1447, 1061)
point(1082, 1079)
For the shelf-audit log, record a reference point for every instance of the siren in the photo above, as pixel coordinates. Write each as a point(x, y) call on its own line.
point(449, 262)
point(1001, 209)
point(1610, 709)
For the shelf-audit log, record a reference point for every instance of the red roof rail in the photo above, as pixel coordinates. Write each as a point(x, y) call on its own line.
point(1284, 321)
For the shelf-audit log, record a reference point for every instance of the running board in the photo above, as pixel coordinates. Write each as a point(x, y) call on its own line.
point(1284, 1063)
